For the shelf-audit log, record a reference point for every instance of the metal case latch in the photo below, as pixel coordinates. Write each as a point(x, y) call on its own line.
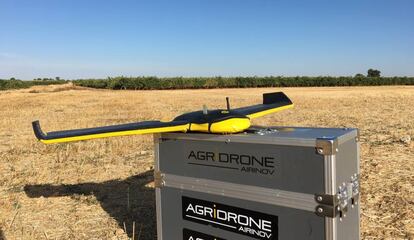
point(334, 205)
point(158, 179)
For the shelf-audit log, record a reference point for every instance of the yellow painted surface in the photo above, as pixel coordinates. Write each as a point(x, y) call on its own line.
point(233, 125)
point(203, 127)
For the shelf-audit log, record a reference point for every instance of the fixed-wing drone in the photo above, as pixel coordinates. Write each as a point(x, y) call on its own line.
point(222, 121)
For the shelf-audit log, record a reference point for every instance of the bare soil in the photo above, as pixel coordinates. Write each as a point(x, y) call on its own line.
point(101, 189)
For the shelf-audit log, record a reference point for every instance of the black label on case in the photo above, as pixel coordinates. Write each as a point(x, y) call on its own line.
point(238, 220)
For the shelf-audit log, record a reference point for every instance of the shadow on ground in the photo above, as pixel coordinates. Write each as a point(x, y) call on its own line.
point(113, 197)
point(2, 237)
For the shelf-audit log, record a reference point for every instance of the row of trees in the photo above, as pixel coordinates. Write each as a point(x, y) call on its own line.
point(18, 84)
point(371, 73)
point(373, 78)
point(238, 82)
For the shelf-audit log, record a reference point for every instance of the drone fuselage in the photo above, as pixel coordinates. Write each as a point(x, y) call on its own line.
point(216, 121)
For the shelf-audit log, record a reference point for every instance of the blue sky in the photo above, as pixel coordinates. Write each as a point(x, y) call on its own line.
point(93, 39)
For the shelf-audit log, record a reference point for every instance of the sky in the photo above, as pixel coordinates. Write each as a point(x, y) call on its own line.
point(76, 39)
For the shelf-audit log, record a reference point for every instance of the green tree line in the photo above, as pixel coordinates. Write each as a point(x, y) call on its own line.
point(18, 84)
point(149, 83)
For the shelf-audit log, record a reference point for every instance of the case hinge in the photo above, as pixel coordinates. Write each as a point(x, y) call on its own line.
point(158, 179)
point(358, 137)
point(337, 205)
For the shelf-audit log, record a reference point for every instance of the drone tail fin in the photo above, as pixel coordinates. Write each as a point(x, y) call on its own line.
point(272, 102)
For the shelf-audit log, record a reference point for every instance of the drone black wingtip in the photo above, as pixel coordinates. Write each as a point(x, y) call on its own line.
point(40, 135)
point(276, 97)
point(272, 102)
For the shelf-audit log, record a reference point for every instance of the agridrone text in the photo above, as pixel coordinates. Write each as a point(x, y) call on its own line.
point(246, 163)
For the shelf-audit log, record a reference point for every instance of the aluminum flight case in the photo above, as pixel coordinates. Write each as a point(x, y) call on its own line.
point(273, 183)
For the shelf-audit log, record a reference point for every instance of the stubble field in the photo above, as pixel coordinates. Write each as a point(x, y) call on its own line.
point(102, 189)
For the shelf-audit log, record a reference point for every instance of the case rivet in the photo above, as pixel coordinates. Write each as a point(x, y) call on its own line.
point(320, 210)
point(319, 198)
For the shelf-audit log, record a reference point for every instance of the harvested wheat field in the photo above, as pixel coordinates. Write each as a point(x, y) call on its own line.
point(101, 189)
